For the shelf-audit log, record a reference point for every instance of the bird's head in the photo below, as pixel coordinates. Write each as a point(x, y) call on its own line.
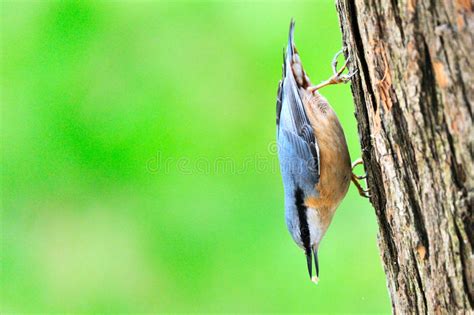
point(306, 229)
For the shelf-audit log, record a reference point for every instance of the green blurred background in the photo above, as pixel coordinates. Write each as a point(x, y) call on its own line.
point(138, 166)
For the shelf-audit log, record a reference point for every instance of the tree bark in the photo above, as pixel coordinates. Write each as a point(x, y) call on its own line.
point(414, 99)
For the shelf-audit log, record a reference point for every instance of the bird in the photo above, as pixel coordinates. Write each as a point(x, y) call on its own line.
point(314, 159)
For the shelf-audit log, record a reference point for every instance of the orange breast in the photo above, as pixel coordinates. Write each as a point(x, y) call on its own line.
point(335, 165)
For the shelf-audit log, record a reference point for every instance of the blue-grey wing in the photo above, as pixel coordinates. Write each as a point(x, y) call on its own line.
point(297, 145)
point(297, 160)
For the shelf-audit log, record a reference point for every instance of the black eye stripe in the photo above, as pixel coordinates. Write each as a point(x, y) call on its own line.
point(304, 229)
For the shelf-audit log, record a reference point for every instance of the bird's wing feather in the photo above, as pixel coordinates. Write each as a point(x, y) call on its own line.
point(292, 118)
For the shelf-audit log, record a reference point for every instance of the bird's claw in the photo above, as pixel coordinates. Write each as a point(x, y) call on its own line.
point(334, 63)
point(360, 177)
point(355, 179)
point(337, 76)
point(359, 161)
point(335, 72)
point(344, 78)
point(365, 193)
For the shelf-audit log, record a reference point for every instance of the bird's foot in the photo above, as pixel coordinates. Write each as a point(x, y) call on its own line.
point(356, 179)
point(337, 76)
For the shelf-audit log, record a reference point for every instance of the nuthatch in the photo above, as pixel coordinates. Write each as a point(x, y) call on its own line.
point(314, 159)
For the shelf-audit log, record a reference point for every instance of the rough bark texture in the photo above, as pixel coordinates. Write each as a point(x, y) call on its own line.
point(414, 100)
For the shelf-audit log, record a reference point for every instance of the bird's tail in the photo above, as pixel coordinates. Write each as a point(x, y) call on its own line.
point(293, 62)
point(291, 41)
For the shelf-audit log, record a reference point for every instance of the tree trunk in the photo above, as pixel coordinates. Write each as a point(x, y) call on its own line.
point(414, 99)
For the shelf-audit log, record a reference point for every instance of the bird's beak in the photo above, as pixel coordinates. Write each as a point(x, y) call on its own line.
point(309, 261)
point(316, 262)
